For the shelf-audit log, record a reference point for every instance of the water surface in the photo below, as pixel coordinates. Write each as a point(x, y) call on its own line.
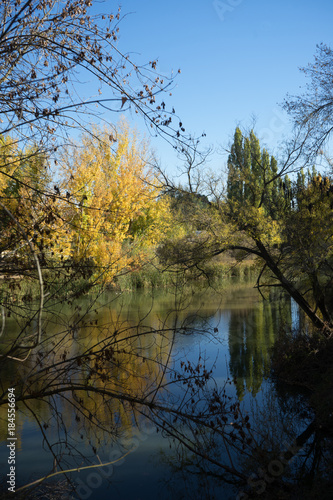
point(231, 331)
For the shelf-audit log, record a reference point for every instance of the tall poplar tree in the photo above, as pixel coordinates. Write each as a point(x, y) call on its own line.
point(252, 176)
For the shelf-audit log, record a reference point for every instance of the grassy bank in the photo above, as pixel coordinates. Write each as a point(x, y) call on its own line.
point(153, 276)
point(22, 289)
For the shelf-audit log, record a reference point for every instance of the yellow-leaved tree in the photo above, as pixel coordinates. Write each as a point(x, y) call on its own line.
point(115, 208)
point(29, 208)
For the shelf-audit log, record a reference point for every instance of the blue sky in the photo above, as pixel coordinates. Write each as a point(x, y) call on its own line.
point(238, 59)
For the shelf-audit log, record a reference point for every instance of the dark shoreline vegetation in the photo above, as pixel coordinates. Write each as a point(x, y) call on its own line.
point(304, 360)
point(88, 218)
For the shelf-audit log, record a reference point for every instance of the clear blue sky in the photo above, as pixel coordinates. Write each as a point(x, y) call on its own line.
point(238, 58)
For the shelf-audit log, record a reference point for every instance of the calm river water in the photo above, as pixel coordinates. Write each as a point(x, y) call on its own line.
point(233, 330)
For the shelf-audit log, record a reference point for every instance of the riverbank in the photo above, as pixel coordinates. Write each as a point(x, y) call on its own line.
point(215, 272)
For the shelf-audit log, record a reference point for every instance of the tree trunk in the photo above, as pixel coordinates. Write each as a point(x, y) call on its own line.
point(325, 327)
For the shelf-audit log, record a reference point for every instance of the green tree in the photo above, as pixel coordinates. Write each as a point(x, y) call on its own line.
point(237, 164)
point(288, 230)
point(252, 175)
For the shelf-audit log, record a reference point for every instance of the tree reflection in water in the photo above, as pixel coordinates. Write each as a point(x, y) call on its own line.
point(252, 333)
point(94, 383)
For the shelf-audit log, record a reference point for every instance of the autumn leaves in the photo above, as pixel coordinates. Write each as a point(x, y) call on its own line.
point(102, 208)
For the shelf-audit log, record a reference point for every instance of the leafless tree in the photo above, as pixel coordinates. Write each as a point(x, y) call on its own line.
point(49, 50)
point(312, 110)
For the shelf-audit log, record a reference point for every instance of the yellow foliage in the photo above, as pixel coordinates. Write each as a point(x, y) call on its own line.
point(115, 209)
point(9, 165)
